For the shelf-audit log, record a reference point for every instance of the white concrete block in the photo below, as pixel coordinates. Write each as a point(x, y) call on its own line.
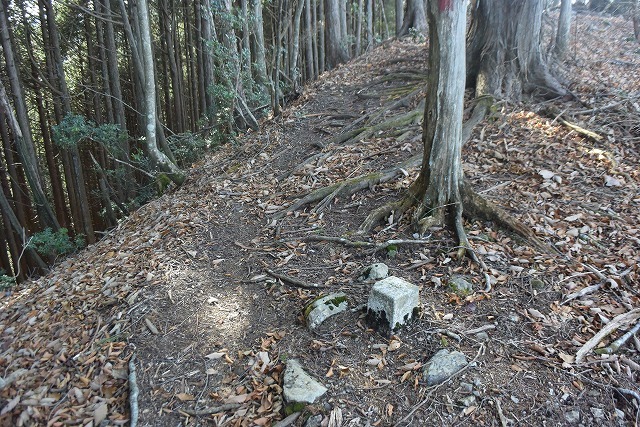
point(392, 303)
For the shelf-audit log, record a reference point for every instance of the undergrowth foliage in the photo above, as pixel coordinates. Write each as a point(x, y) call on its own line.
point(52, 244)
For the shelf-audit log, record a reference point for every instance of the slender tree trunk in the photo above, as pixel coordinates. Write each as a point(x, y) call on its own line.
point(77, 171)
point(359, 20)
point(564, 29)
point(309, 57)
point(295, 45)
point(149, 90)
point(322, 62)
point(636, 19)
point(369, 24)
point(259, 49)
point(20, 126)
point(399, 15)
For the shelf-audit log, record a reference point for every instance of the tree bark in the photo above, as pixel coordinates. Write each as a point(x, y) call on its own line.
point(439, 183)
point(563, 35)
point(399, 16)
point(504, 57)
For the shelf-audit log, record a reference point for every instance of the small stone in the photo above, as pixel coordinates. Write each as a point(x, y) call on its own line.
point(598, 413)
point(482, 336)
point(460, 285)
point(467, 401)
point(314, 421)
point(466, 388)
point(515, 400)
point(375, 271)
point(619, 416)
point(322, 308)
point(572, 417)
point(513, 317)
point(443, 365)
point(300, 386)
point(537, 284)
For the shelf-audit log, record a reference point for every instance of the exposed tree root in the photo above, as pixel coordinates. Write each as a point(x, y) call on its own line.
point(375, 247)
point(351, 186)
point(555, 114)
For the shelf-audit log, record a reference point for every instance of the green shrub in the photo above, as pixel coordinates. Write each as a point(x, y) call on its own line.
point(52, 244)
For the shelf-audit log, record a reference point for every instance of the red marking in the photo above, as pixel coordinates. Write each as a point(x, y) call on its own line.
point(445, 5)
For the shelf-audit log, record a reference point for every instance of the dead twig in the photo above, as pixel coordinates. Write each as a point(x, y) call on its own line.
point(211, 410)
point(615, 323)
point(133, 392)
point(361, 244)
point(288, 421)
point(292, 280)
point(615, 346)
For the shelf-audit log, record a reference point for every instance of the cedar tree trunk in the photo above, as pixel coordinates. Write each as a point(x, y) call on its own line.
point(504, 57)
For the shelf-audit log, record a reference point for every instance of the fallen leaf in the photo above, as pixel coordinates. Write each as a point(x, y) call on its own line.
point(185, 397)
point(99, 414)
point(610, 181)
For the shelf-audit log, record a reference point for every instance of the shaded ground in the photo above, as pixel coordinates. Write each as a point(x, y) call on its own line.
point(181, 284)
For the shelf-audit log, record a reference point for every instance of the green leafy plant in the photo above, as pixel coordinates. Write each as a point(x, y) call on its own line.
point(6, 282)
point(52, 244)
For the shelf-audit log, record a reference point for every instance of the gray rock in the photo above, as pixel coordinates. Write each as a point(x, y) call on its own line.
point(314, 421)
point(572, 417)
point(467, 401)
point(466, 387)
point(460, 285)
point(442, 365)
point(598, 414)
point(482, 336)
point(375, 271)
point(619, 416)
point(300, 386)
point(323, 308)
point(392, 303)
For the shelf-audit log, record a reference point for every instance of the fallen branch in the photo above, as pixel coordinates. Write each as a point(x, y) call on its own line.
point(504, 421)
point(211, 410)
point(288, 421)
point(292, 280)
point(615, 346)
point(615, 323)
point(134, 391)
point(554, 114)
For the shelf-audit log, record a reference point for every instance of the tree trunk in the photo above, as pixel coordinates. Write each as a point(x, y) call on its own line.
point(322, 50)
point(564, 29)
point(335, 44)
point(77, 171)
point(504, 57)
point(295, 47)
point(636, 19)
point(149, 90)
point(259, 49)
point(399, 16)
point(308, 35)
point(359, 20)
point(414, 18)
point(20, 126)
point(439, 183)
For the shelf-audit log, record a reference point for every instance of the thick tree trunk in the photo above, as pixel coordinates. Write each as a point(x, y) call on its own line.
point(335, 43)
point(259, 47)
point(504, 57)
point(636, 19)
point(439, 184)
point(359, 20)
point(308, 36)
point(563, 35)
point(415, 18)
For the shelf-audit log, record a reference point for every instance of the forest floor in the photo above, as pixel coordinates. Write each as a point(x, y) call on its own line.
point(182, 284)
